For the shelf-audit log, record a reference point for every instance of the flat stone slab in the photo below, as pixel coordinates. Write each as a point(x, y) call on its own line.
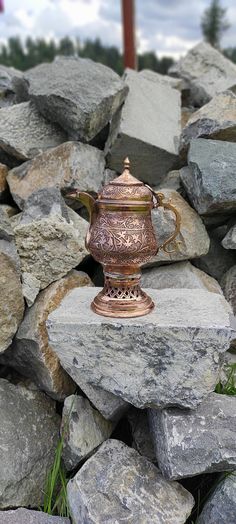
point(117, 485)
point(169, 357)
point(189, 443)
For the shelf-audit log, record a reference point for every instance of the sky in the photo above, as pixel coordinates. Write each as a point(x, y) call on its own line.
point(168, 27)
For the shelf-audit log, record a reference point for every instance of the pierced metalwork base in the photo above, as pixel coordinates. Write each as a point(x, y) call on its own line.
point(122, 297)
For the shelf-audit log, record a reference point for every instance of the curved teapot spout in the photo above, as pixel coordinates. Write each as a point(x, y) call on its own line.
point(88, 201)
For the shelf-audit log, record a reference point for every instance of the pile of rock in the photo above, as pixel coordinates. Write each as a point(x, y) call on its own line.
point(139, 411)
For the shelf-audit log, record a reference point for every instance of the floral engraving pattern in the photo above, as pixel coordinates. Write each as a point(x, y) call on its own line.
point(120, 239)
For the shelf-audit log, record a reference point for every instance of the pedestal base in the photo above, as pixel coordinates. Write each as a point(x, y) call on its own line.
point(122, 297)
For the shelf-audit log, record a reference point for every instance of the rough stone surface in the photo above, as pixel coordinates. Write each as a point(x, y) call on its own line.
point(68, 166)
point(206, 71)
point(218, 260)
point(118, 485)
point(175, 83)
point(171, 181)
point(215, 120)
point(142, 440)
point(7, 91)
point(12, 302)
point(79, 94)
point(31, 354)
point(29, 516)
point(188, 443)
point(229, 241)
point(83, 430)
point(28, 436)
point(110, 406)
point(30, 288)
point(183, 339)
point(210, 182)
point(24, 133)
point(3, 182)
point(220, 508)
point(50, 247)
point(228, 283)
point(179, 275)
point(148, 127)
point(192, 241)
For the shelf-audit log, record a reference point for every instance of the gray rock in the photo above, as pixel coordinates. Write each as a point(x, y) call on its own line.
point(188, 442)
point(179, 275)
point(148, 128)
point(43, 203)
point(175, 83)
point(229, 241)
point(49, 247)
point(192, 241)
point(110, 406)
point(210, 182)
point(31, 354)
point(206, 71)
point(79, 94)
point(83, 430)
point(218, 260)
point(171, 181)
point(185, 325)
point(28, 435)
point(3, 182)
point(7, 91)
point(216, 120)
point(142, 441)
point(24, 133)
point(30, 288)
point(12, 302)
point(220, 507)
point(228, 284)
point(118, 485)
point(68, 166)
point(29, 516)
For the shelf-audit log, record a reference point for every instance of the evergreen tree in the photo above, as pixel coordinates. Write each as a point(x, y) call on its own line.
point(214, 23)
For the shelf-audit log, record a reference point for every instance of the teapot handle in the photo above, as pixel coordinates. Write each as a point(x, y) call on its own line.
point(158, 202)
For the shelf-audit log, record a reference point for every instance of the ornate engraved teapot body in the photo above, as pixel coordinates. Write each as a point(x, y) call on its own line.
point(121, 237)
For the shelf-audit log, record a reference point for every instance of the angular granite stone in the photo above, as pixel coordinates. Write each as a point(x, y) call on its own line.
point(148, 128)
point(206, 71)
point(189, 443)
point(118, 485)
point(29, 516)
point(220, 507)
point(169, 357)
point(79, 94)
point(210, 182)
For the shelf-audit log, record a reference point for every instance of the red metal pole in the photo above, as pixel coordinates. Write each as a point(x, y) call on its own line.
point(129, 46)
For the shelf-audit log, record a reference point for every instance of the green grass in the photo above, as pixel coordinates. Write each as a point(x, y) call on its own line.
point(229, 386)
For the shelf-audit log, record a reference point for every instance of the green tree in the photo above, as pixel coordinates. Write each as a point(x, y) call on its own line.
point(214, 23)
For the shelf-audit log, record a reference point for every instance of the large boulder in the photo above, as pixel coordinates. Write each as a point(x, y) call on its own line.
point(179, 275)
point(210, 181)
point(206, 72)
point(50, 242)
point(12, 302)
point(3, 182)
point(83, 430)
point(28, 434)
point(29, 516)
point(185, 325)
point(148, 128)
point(79, 94)
point(218, 260)
point(31, 354)
point(188, 443)
point(118, 485)
point(220, 507)
point(215, 120)
point(192, 241)
point(24, 133)
point(68, 166)
point(228, 283)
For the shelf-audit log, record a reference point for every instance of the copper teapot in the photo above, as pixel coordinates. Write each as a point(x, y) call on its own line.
point(121, 237)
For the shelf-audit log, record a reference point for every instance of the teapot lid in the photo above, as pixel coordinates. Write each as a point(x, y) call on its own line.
point(126, 187)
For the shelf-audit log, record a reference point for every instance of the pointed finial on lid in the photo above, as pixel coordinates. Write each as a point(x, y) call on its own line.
point(126, 163)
